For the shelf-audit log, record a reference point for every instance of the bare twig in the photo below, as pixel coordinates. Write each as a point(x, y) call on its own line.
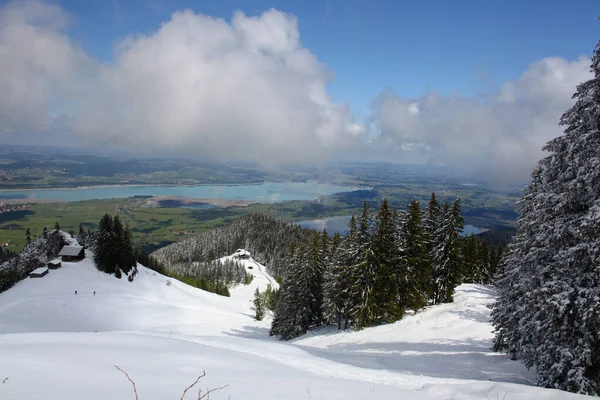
point(209, 392)
point(130, 380)
point(200, 395)
point(192, 385)
point(4, 381)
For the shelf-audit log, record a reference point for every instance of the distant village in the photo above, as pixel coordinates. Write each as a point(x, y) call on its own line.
point(29, 171)
point(6, 208)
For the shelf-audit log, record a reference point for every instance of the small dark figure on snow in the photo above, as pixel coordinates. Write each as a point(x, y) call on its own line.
point(94, 292)
point(76, 292)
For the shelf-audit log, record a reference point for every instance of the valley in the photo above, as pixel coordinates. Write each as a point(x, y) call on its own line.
point(159, 215)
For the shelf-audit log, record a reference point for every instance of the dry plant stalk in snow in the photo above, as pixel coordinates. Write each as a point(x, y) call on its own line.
point(200, 395)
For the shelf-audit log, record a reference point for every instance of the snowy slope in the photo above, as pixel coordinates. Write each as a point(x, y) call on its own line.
point(58, 345)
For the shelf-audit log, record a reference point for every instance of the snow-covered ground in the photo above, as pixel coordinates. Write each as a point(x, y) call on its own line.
point(58, 345)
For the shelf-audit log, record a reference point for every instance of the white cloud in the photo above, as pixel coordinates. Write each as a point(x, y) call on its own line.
point(248, 90)
point(499, 139)
point(245, 90)
point(38, 64)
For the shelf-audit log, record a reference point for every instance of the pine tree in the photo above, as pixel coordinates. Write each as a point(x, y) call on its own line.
point(495, 257)
point(414, 289)
point(104, 252)
point(380, 275)
point(56, 226)
point(433, 229)
point(45, 233)
point(447, 270)
point(487, 274)
point(117, 248)
point(342, 286)
point(472, 268)
point(271, 296)
point(364, 232)
point(54, 244)
point(114, 250)
point(312, 276)
point(259, 305)
point(292, 314)
point(28, 235)
point(547, 312)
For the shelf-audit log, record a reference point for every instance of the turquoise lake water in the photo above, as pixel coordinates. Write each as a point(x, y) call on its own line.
point(266, 192)
point(340, 225)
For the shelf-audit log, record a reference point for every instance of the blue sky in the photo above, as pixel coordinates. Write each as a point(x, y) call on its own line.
point(464, 46)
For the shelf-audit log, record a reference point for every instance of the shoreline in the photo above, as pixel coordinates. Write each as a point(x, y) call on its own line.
point(113, 185)
point(137, 185)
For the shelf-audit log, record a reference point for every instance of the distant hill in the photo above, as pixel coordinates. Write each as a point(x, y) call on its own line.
point(268, 240)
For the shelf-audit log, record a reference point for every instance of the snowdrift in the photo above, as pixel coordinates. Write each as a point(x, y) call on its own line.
point(58, 345)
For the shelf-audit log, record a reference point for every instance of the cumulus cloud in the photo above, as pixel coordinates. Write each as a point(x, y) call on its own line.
point(498, 137)
point(240, 90)
point(248, 90)
point(39, 66)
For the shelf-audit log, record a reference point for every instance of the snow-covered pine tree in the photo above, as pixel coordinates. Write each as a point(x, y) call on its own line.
point(342, 288)
point(414, 266)
point(472, 269)
point(54, 244)
point(285, 323)
point(259, 305)
point(105, 238)
point(312, 275)
point(433, 228)
point(336, 280)
point(547, 312)
point(483, 256)
point(381, 274)
point(300, 304)
point(364, 232)
point(113, 250)
point(447, 266)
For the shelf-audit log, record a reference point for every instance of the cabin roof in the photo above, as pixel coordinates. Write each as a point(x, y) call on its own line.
point(70, 251)
point(39, 270)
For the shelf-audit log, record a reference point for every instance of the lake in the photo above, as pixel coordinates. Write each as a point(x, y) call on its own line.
point(340, 225)
point(268, 192)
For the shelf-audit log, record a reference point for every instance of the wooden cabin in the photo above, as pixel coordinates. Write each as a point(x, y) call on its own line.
point(54, 264)
point(241, 254)
point(72, 253)
point(39, 272)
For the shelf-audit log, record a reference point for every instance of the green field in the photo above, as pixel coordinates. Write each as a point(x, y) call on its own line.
point(151, 226)
point(155, 227)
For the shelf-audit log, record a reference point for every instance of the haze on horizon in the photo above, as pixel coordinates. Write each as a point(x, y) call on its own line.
point(478, 88)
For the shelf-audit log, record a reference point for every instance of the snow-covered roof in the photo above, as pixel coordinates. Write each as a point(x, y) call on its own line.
point(240, 252)
point(55, 261)
point(70, 251)
point(39, 270)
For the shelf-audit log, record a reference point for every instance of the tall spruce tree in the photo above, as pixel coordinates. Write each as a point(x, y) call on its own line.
point(472, 269)
point(114, 251)
point(259, 305)
point(381, 274)
point(483, 255)
point(433, 228)
point(547, 312)
point(342, 283)
point(415, 265)
point(447, 269)
point(300, 304)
